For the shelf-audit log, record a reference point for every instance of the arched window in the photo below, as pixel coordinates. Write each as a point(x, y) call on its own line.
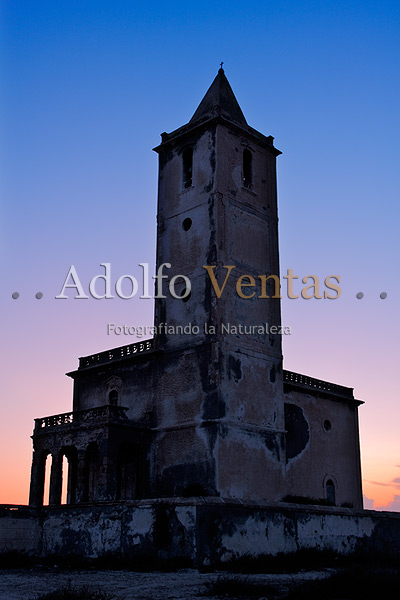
point(113, 398)
point(247, 168)
point(330, 492)
point(187, 158)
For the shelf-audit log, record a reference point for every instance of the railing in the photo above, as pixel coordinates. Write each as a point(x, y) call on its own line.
point(317, 384)
point(100, 413)
point(116, 354)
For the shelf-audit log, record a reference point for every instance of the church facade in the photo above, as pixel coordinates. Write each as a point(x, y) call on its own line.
point(207, 413)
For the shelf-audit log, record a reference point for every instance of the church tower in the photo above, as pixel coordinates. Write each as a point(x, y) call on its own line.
point(204, 408)
point(219, 397)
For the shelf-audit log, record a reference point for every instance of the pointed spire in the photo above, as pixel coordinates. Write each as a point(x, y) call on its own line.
point(219, 100)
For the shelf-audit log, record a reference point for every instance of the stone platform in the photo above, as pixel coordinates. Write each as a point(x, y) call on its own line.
point(200, 532)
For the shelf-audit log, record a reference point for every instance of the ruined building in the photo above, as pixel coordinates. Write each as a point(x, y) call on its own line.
point(210, 414)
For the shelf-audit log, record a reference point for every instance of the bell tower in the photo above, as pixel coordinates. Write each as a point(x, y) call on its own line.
point(219, 401)
point(204, 408)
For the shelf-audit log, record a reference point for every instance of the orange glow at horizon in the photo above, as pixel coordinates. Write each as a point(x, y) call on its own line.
point(65, 472)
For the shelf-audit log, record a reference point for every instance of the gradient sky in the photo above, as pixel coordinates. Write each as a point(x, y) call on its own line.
point(87, 88)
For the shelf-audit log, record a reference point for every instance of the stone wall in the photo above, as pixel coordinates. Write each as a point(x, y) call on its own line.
point(200, 532)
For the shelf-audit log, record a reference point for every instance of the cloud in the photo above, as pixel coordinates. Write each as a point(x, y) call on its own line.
point(394, 505)
point(379, 483)
point(368, 503)
point(396, 481)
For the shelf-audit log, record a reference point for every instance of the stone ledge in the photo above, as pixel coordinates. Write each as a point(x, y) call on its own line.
point(214, 501)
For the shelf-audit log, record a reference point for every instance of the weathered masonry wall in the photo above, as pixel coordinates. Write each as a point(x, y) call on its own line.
point(202, 532)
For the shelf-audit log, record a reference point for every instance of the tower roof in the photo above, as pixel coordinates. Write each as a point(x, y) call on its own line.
point(219, 100)
point(218, 103)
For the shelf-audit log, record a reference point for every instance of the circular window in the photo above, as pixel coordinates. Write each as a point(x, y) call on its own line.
point(327, 425)
point(187, 223)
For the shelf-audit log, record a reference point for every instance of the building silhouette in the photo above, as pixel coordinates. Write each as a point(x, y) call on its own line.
point(207, 413)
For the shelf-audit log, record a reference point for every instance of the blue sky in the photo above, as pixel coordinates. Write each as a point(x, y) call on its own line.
point(87, 88)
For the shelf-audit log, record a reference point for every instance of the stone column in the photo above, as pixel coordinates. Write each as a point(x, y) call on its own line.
point(56, 478)
point(38, 471)
point(80, 478)
point(107, 475)
point(72, 477)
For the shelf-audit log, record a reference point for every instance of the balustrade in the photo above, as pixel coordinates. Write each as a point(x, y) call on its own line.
point(99, 413)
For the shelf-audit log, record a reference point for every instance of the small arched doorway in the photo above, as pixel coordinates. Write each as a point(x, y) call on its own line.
point(113, 398)
point(330, 491)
